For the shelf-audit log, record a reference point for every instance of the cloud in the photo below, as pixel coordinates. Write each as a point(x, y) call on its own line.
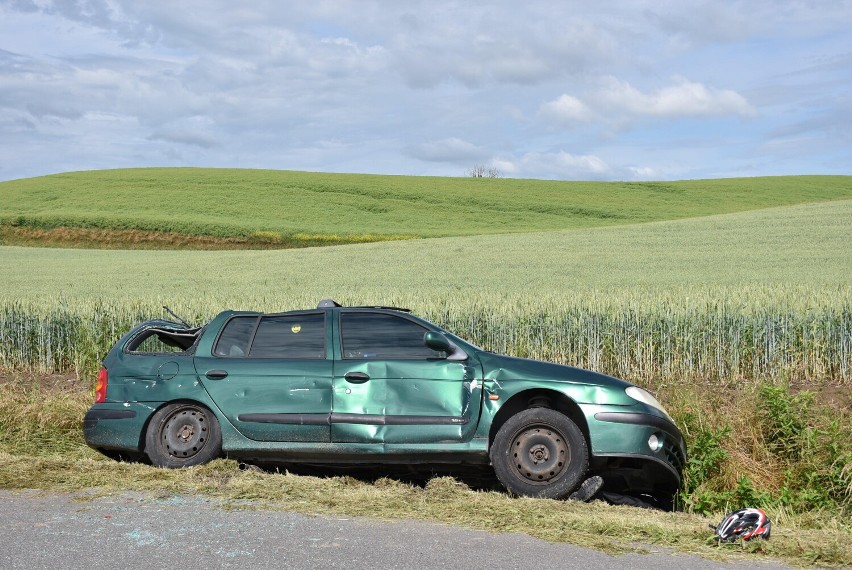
point(566, 110)
point(201, 140)
point(554, 90)
point(481, 44)
point(454, 150)
point(560, 165)
point(618, 104)
point(683, 99)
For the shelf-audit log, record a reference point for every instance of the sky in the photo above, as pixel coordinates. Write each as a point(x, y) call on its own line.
point(566, 90)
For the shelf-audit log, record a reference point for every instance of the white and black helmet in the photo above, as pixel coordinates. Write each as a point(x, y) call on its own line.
point(745, 524)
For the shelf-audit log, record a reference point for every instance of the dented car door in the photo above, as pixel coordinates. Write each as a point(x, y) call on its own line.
point(271, 375)
point(390, 388)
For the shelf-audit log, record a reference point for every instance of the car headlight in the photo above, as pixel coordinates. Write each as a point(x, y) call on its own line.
point(646, 397)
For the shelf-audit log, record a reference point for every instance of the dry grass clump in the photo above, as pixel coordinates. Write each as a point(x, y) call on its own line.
point(42, 419)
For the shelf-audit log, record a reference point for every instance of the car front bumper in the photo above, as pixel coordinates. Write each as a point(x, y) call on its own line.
point(636, 452)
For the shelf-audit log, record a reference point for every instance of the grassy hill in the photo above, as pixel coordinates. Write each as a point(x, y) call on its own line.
point(226, 208)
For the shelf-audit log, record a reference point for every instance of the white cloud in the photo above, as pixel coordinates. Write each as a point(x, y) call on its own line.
point(559, 165)
point(566, 110)
point(617, 105)
point(643, 173)
point(683, 99)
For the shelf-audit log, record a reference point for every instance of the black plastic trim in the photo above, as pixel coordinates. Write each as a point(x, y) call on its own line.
point(669, 467)
point(290, 419)
point(362, 419)
point(93, 416)
point(382, 420)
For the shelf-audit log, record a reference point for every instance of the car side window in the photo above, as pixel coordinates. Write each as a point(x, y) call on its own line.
point(380, 335)
point(235, 337)
point(290, 336)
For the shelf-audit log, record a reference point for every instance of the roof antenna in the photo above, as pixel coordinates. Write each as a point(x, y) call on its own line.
point(172, 313)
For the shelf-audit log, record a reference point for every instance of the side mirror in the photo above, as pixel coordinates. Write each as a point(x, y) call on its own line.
point(437, 342)
point(440, 343)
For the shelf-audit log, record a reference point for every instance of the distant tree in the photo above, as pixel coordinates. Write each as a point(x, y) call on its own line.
point(477, 171)
point(481, 171)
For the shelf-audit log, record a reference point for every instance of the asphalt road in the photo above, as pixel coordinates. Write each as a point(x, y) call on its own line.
point(139, 531)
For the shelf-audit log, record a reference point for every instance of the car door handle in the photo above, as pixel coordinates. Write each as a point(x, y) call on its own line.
point(217, 374)
point(356, 377)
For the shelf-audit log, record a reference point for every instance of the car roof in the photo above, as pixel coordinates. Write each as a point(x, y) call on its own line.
point(325, 304)
point(331, 303)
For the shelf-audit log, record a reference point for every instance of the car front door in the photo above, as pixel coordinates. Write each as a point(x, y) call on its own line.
point(390, 388)
point(271, 376)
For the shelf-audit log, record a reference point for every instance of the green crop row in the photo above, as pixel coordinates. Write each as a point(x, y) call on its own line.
point(643, 344)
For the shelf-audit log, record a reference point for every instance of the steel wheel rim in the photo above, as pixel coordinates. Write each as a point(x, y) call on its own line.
point(184, 433)
point(540, 454)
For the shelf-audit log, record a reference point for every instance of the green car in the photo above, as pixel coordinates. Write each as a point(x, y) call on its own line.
point(375, 385)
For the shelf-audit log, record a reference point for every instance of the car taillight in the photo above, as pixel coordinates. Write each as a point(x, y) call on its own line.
point(101, 386)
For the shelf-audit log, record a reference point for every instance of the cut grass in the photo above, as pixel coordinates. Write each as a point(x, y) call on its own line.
point(612, 529)
point(223, 203)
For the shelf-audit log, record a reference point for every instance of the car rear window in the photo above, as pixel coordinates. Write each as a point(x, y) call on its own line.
point(235, 337)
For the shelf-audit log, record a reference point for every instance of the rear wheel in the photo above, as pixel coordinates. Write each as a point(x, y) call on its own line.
point(183, 435)
point(540, 453)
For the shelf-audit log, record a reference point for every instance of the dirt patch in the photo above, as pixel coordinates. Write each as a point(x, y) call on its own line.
point(834, 396)
point(64, 382)
point(97, 238)
point(87, 238)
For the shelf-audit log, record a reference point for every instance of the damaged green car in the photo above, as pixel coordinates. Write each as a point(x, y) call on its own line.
point(375, 385)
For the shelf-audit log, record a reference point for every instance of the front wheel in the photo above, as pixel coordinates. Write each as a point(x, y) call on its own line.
point(539, 453)
point(183, 435)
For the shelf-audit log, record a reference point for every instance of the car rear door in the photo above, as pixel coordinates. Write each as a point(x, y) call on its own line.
point(271, 375)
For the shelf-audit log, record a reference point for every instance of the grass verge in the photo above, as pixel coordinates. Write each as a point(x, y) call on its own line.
point(41, 447)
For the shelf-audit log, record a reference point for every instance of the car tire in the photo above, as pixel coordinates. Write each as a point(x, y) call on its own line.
point(540, 452)
point(183, 435)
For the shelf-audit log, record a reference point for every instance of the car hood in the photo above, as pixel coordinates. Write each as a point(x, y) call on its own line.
point(508, 369)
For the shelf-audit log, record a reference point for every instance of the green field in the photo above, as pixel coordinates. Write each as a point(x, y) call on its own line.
point(730, 299)
point(281, 208)
point(704, 294)
point(782, 249)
